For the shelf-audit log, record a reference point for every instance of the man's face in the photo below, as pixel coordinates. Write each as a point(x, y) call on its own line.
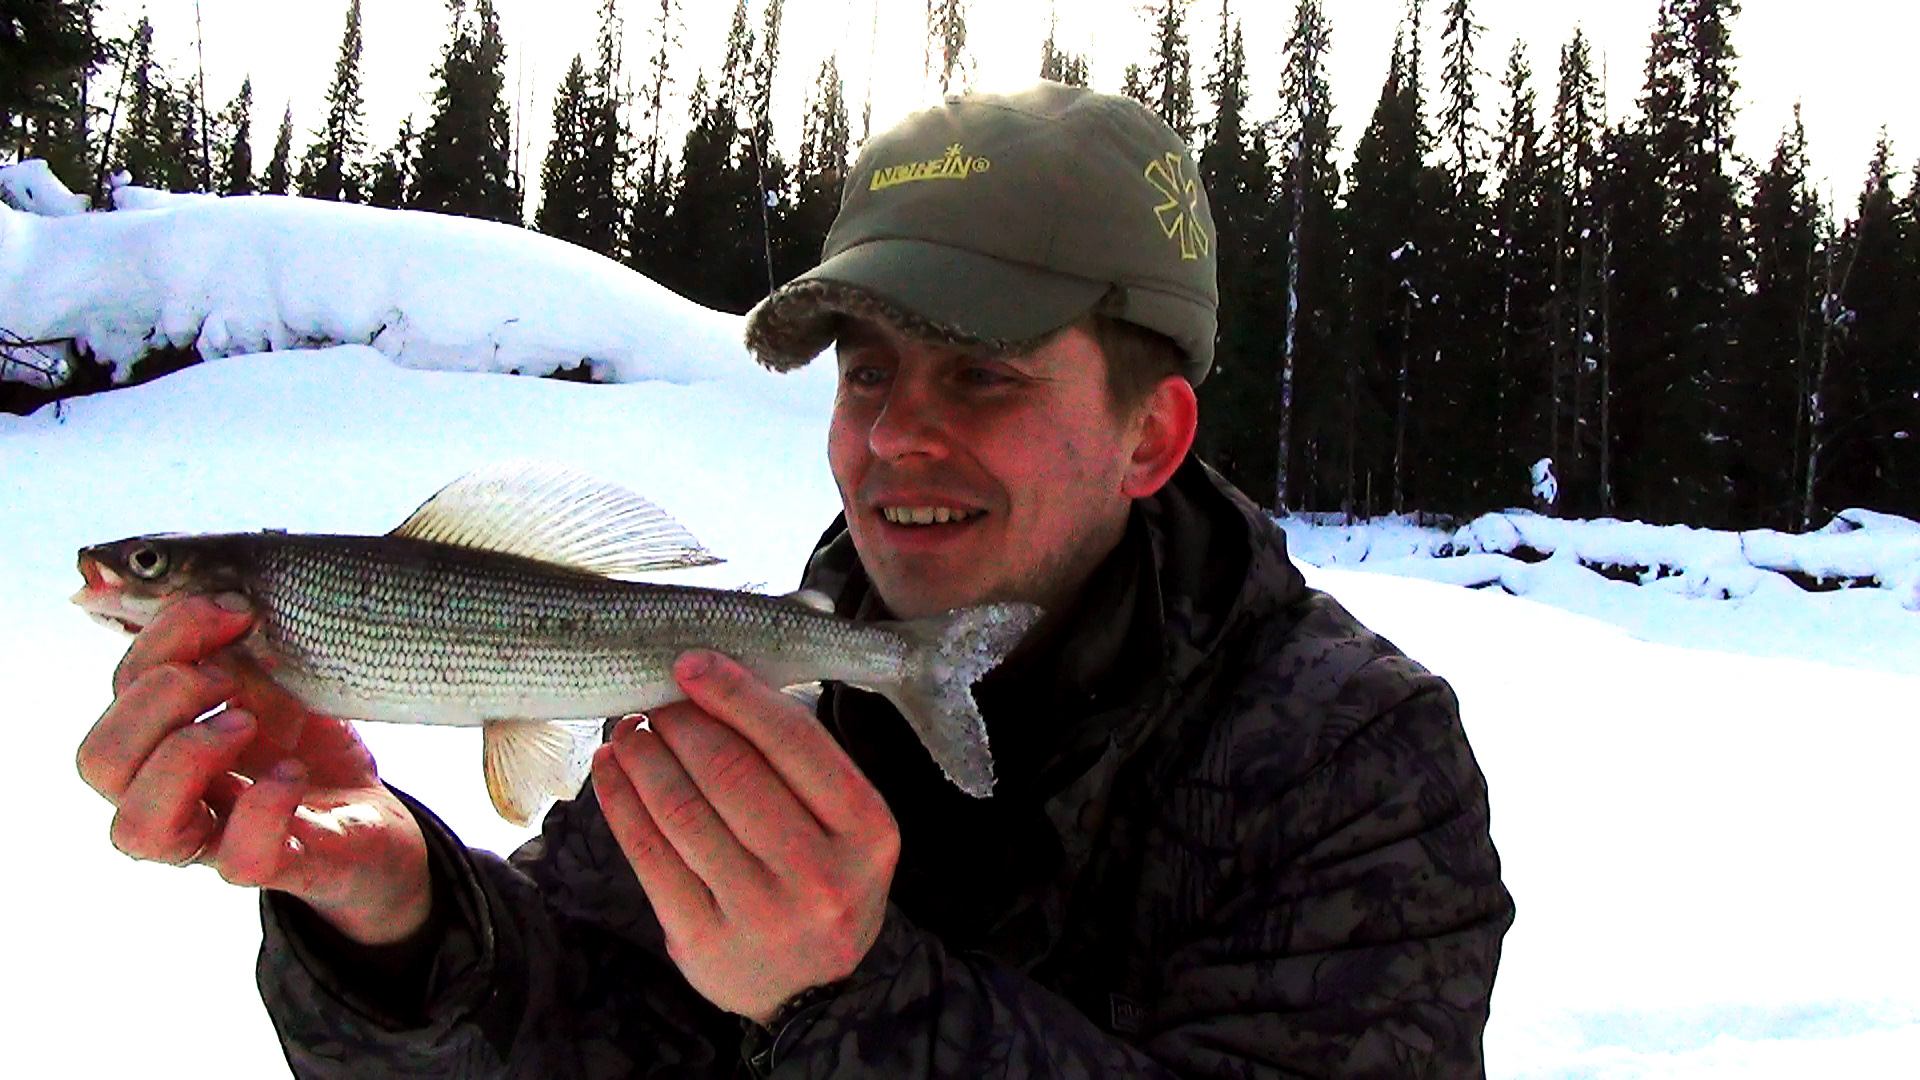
point(968, 478)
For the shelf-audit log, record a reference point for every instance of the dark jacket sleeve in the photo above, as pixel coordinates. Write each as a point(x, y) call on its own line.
point(547, 968)
point(1353, 931)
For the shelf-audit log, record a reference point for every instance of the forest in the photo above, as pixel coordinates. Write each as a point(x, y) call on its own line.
point(1548, 300)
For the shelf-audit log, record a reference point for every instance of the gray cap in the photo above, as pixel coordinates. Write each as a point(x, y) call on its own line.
point(998, 219)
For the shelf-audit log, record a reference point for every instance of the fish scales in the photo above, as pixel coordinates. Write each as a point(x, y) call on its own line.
point(383, 629)
point(501, 602)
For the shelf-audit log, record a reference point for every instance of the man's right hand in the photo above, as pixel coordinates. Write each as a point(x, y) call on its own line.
point(264, 791)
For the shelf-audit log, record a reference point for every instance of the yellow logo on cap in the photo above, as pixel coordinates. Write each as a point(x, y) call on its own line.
point(954, 165)
point(1180, 214)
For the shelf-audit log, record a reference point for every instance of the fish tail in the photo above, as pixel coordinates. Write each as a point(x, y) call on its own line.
point(947, 655)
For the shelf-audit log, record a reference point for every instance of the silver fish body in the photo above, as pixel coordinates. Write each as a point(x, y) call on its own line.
point(470, 615)
point(382, 629)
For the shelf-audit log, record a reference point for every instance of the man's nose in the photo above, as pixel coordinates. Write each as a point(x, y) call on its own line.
point(910, 423)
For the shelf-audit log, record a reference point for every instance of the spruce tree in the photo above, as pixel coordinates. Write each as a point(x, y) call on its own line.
point(278, 179)
point(333, 167)
point(762, 161)
point(563, 176)
point(48, 52)
point(1522, 247)
point(1867, 397)
point(390, 184)
point(1572, 435)
point(1778, 330)
point(1313, 280)
point(1247, 397)
point(1166, 83)
point(1709, 232)
point(1383, 230)
point(825, 142)
point(1464, 386)
point(1056, 63)
point(144, 140)
point(648, 230)
point(947, 40)
point(464, 165)
point(236, 162)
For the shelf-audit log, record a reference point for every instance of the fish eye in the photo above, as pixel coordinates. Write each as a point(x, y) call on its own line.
point(147, 562)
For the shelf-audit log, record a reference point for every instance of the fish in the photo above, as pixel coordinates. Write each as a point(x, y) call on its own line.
point(507, 601)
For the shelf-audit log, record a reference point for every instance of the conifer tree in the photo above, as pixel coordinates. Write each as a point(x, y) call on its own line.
point(236, 122)
point(141, 149)
point(1522, 247)
point(1465, 300)
point(1709, 231)
point(1866, 399)
point(762, 162)
point(1779, 327)
point(48, 52)
point(647, 231)
point(825, 143)
point(1246, 397)
point(563, 176)
point(1056, 63)
point(1309, 187)
point(947, 40)
point(1381, 227)
point(1572, 427)
point(1166, 83)
point(391, 183)
point(465, 160)
point(585, 176)
point(278, 179)
point(332, 167)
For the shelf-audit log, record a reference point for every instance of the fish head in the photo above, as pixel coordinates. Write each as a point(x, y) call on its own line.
point(129, 582)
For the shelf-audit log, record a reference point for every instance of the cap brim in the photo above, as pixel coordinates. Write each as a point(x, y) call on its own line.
point(939, 291)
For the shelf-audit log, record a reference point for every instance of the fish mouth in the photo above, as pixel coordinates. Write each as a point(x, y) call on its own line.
point(105, 600)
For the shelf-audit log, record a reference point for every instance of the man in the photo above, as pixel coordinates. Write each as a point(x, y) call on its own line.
point(1232, 834)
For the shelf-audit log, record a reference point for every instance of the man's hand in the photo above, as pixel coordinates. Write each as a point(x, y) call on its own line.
point(766, 853)
point(263, 791)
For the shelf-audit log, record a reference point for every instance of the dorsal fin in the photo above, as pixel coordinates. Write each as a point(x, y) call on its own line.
point(554, 514)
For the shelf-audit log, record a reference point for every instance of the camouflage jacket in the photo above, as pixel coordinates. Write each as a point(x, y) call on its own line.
point(1235, 834)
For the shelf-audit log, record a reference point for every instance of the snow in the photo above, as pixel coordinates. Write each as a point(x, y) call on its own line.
point(265, 272)
point(32, 187)
point(1701, 789)
point(1732, 592)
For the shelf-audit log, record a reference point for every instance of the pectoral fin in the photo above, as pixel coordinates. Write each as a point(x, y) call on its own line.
point(526, 762)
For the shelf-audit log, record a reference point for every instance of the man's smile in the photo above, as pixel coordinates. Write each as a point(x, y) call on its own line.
point(928, 515)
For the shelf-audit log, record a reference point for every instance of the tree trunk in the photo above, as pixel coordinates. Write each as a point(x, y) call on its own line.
point(1293, 318)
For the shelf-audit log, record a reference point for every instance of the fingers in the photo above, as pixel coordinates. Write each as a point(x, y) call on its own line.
point(733, 777)
point(186, 632)
point(788, 737)
point(679, 810)
point(256, 845)
point(159, 703)
point(163, 815)
point(676, 891)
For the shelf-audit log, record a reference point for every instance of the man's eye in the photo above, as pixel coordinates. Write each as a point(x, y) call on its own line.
point(864, 375)
point(980, 375)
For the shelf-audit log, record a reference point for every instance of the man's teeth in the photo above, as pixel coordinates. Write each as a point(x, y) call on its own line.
point(925, 515)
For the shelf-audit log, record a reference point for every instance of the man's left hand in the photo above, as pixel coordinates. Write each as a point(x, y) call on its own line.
point(766, 854)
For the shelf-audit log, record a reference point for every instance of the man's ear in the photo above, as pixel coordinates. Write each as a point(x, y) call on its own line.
point(1163, 429)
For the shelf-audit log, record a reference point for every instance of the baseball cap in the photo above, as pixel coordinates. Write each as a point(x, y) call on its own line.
point(998, 219)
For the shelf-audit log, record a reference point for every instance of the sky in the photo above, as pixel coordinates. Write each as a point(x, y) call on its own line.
point(1702, 844)
point(1847, 61)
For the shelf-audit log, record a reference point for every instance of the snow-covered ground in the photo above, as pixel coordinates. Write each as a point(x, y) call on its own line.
point(1712, 852)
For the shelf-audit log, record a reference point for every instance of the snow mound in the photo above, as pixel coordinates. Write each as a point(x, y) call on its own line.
point(258, 273)
point(31, 187)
